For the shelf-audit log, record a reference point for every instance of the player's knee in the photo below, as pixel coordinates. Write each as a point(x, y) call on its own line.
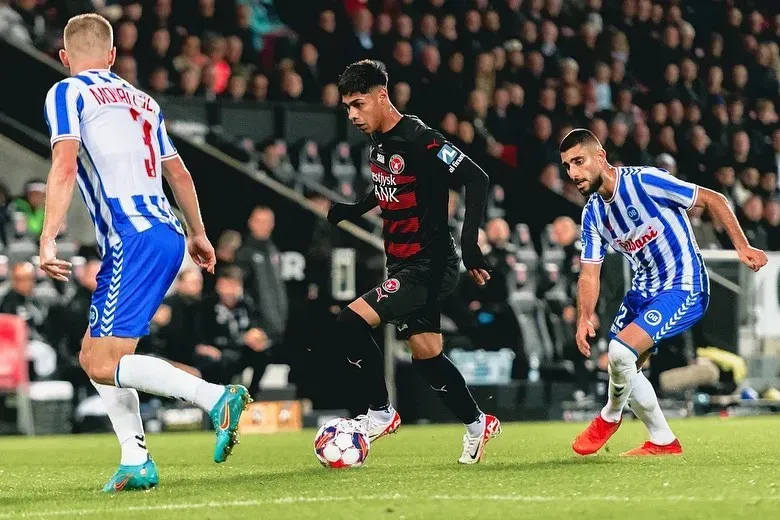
point(101, 368)
point(84, 359)
point(622, 360)
point(348, 318)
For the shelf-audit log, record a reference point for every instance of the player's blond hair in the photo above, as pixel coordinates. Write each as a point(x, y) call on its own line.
point(88, 34)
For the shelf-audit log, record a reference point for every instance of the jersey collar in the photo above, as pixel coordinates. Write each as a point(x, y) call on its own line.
point(617, 187)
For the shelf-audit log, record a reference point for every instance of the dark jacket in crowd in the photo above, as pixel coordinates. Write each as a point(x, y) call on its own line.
point(260, 261)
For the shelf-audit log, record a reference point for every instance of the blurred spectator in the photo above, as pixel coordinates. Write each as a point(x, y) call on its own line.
point(231, 339)
point(158, 81)
point(772, 223)
point(12, 25)
point(189, 83)
point(237, 88)
point(361, 43)
point(258, 90)
point(30, 208)
point(752, 215)
point(21, 302)
point(5, 213)
point(190, 55)
point(308, 70)
point(127, 69)
point(260, 262)
point(31, 18)
point(331, 97)
point(402, 94)
point(126, 38)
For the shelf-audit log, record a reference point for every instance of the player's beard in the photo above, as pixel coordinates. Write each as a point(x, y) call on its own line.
point(593, 186)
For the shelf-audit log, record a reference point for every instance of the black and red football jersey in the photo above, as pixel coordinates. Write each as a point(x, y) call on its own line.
point(412, 168)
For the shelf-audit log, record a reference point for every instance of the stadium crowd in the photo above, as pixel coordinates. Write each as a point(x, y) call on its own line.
point(689, 87)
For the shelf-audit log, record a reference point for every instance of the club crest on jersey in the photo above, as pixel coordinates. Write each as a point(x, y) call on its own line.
point(396, 163)
point(653, 317)
point(93, 316)
point(633, 214)
point(641, 236)
point(391, 285)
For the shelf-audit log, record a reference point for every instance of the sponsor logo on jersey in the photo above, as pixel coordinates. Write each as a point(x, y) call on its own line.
point(447, 154)
point(380, 294)
point(641, 236)
point(380, 158)
point(93, 316)
point(396, 163)
point(382, 179)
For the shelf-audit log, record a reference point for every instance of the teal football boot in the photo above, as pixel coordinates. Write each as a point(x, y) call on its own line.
point(225, 416)
point(126, 478)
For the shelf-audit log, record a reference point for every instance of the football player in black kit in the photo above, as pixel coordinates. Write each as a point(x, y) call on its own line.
point(412, 168)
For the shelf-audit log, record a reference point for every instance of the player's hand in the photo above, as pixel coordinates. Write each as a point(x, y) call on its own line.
point(475, 263)
point(754, 258)
point(202, 252)
point(57, 269)
point(480, 276)
point(339, 211)
point(585, 330)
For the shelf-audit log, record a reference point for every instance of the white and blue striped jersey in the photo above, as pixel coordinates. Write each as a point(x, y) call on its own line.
point(123, 144)
point(646, 221)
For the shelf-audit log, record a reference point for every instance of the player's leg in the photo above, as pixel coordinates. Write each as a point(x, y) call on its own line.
point(444, 377)
point(671, 313)
point(136, 468)
point(365, 362)
point(131, 285)
point(627, 343)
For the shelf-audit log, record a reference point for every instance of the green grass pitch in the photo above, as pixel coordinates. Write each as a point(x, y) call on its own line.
point(730, 470)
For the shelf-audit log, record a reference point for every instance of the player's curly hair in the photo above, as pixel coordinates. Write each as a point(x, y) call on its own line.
point(360, 77)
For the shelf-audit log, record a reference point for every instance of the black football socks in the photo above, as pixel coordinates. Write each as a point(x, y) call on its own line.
point(445, 378)
point(363, 355)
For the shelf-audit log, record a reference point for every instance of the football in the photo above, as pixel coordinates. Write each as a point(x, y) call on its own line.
point(341, 443)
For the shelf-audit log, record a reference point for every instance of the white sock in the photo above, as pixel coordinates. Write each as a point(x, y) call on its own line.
point(156, 376)
point(123, 410)
point(477, 427)
point(382, 416)
point(644, 404)
point(622, 367)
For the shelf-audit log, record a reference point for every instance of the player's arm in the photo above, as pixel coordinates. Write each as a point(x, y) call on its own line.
point(719, 208)
point(180, 181)
point(345, 211)
point(589, 283)
point(588, 288)
point(59, 194)
point(448, 161)
point(62, 111)
point(673, 192)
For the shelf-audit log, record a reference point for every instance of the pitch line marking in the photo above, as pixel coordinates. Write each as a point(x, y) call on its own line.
point(366, 498)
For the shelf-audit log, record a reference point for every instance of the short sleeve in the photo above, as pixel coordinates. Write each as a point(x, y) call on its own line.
point(668, 190)
point(593, 245)
point(167, 148)
point(62, 112)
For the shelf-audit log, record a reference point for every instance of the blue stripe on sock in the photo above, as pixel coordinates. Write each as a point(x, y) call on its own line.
point(615, 339)
point(116, 376)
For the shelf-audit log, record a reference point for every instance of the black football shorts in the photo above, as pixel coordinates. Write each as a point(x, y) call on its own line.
point(411, 296)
